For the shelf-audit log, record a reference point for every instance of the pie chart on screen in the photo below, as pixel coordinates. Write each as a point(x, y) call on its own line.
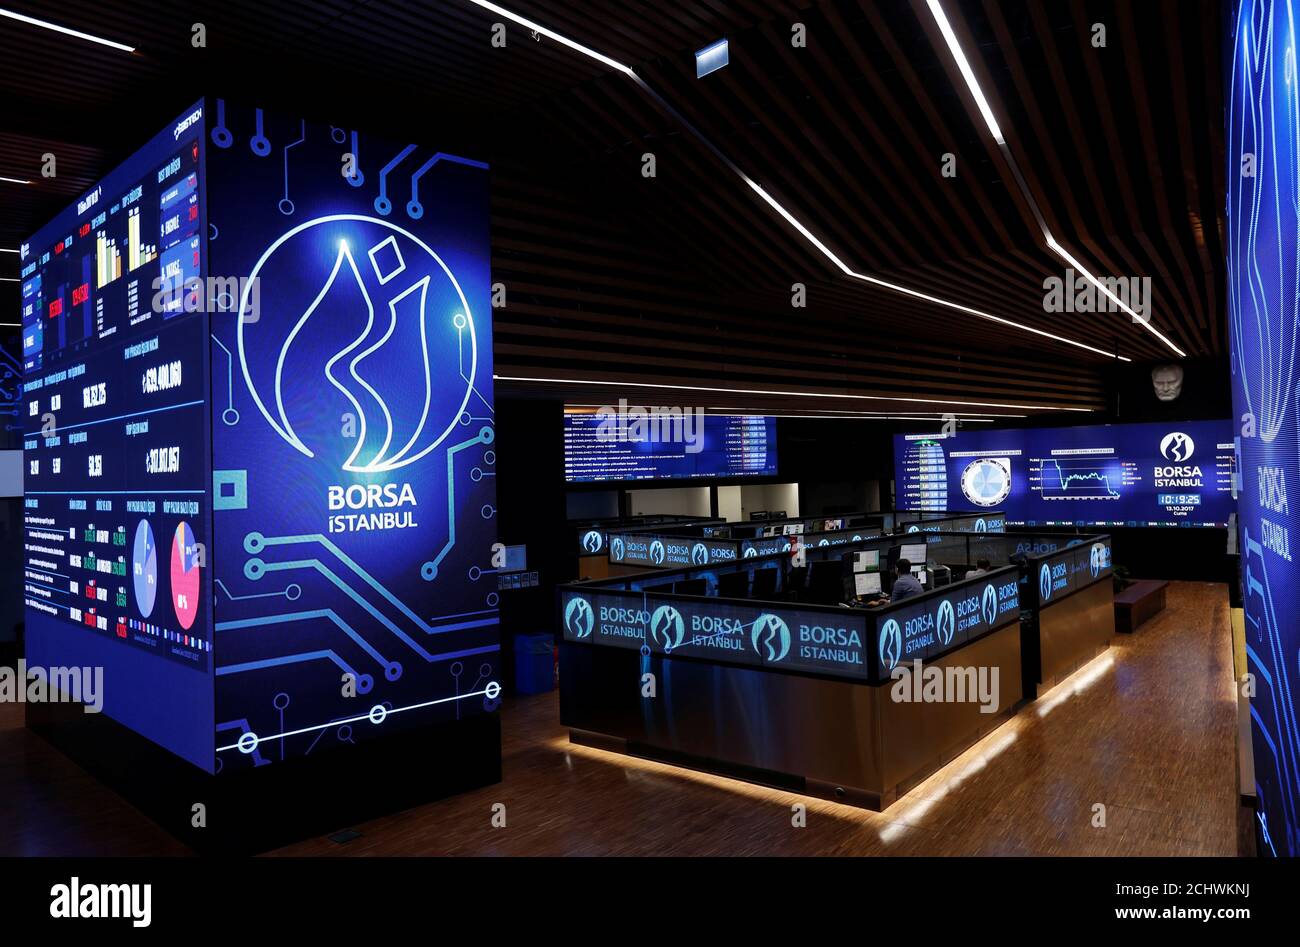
point(144, 568)
point(185, 575)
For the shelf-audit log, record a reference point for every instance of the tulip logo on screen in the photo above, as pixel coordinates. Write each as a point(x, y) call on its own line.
point(891, 644)
point(1097, 558)
point(1177, 447)
point(981, 526)
point(989, 604)
point(770, 637)
point(913, 529)
point(657, 552)
point(1045, 582)
point(700, 554)
point(578, 617)
point(359, 348)
point(751, 552)
point(945, 622)
point(616, 548)
point(667, 628)
point(592, 541)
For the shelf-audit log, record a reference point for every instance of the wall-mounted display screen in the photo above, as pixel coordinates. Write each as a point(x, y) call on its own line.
point(610, 446)
point(1104, 475)
point(116, 512)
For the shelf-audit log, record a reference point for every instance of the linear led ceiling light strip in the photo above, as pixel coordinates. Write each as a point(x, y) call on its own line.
point(771, 201)
point(972, 84)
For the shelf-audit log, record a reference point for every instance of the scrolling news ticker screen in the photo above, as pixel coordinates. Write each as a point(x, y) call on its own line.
point(1106, 475)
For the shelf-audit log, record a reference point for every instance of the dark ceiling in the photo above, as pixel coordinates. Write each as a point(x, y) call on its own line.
point(685, 279)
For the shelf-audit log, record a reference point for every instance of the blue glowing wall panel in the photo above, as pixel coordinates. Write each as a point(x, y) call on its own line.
point(1100, 475)
point(353, 437)
point(1263, 194)
point(116, 506)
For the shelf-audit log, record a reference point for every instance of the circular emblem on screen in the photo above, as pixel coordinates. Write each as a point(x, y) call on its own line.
point(1045, 582)
point(981, 526)
point(891, 644)
point(144, 568)
point(751, 552)
point(989, 604)
point(353, 317)
point(700, 554)
point(592, 541)
point(770, 637)
point(1097, 557)
point(945, 623)
point(987, 481)
point(578, 617)
point(656, 552)
point(1177, 447)
point(666, 627)
point(616, 548)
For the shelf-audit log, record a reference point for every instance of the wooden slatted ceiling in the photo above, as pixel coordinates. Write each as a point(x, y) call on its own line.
point(686, 278)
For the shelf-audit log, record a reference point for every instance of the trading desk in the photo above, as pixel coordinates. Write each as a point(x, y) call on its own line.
point(798, 696)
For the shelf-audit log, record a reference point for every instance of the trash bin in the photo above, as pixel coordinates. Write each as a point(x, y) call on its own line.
point(534, 664)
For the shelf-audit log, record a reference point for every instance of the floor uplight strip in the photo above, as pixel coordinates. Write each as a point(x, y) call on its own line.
point(973, 86)
point(789, 218)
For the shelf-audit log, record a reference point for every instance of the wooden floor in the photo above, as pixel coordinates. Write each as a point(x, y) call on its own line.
point(1148, 731)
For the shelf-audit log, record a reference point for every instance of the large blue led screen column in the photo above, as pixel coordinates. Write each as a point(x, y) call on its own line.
point(1263, 212)
point(115, 443)
point(353, 437)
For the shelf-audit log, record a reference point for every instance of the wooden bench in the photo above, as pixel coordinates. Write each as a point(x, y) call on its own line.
point(1137, 603)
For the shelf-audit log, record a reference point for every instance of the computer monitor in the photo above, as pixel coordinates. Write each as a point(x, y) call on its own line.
point(691, 587)
point(866, 583)
point(915, 553)
point(825, 581)
point(734, 584)
point(765, 583)
point(516, 559)
point(792, 529)
point(758, 514)
point(866, 560)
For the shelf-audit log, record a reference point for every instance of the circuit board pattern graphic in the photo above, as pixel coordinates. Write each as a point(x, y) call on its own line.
point(353, 454)
point(1263, 188)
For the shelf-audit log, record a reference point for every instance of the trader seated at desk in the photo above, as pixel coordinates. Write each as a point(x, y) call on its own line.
point(982, 567)
point(906, 585)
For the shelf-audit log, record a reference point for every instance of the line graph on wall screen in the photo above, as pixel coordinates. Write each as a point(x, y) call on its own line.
point(1078, 480)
